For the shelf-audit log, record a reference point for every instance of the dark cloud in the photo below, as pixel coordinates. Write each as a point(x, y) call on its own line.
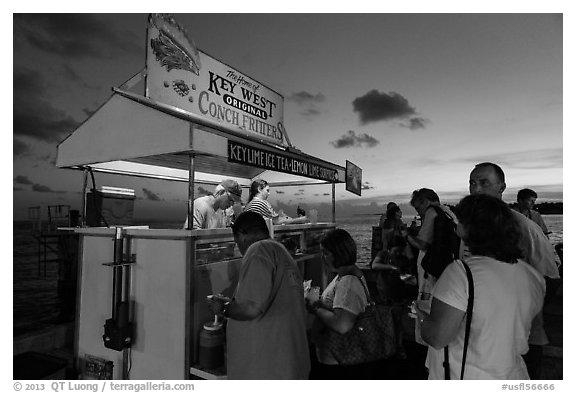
point(416, 123)
point(279, 192)
point(34, 115)
point(308, 101)
point(376, 106)
point(367, 186)
point(74, 36)
point(305, 98)
point(326, 193)
point(71, 75)
point(43, 188)
point(352, 140)
point(310, 112)
point(22, 180)
point(20, 148)
point(151, 196)
point(88, 112)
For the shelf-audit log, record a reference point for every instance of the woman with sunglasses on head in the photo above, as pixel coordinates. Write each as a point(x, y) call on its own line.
point(258, 202)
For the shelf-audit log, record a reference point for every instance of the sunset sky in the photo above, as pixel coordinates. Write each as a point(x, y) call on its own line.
point(415, 100)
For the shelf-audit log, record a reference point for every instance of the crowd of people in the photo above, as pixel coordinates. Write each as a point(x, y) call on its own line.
point(499, 334)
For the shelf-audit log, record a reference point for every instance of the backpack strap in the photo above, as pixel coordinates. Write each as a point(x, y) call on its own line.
point(469, 309)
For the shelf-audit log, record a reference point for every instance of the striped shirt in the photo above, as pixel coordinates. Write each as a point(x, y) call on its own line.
point(262, 207)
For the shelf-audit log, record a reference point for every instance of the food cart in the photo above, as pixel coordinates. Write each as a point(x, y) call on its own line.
point(142, 292)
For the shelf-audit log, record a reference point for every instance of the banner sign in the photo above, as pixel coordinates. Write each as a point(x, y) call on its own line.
point(180, 75)
point(253, 156)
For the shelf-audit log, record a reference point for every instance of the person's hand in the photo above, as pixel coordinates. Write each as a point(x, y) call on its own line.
point(312, 299)
point(421, 309)
point(217, 303)
point(313, 295)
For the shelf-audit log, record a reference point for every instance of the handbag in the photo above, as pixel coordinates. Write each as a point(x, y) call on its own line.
point(373, 336)
point(469, 309)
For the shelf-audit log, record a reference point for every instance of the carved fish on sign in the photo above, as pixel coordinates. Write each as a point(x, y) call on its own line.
point(173, 48)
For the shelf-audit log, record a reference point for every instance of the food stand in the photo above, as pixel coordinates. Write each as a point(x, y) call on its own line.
point(142, 292)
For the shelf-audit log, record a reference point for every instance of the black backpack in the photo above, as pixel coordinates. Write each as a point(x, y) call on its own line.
point(445, 244)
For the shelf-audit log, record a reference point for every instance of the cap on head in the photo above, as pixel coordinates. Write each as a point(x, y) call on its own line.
point(233, 188)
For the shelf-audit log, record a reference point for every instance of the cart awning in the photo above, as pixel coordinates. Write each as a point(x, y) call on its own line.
point(133, 135)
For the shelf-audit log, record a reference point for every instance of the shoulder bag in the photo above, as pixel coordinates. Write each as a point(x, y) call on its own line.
point(469, 309)
point(372, 338)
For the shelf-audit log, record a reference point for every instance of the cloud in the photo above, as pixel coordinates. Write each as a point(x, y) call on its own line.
point(375, 106)
point(310, 112)
point(279, 192)
point(326, 193)
point(308, 101)
point(528, 159)
point(20, 148)
point(305, 98)
point(367, 186)
point(416, 123)
point(352, 140)
point(74, 36)
point(71, 75)
point(43, 188)
point(34, 115)
point(151, 196)
point(22, 180)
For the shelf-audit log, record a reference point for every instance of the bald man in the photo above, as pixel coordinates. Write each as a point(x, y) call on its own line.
point(488, 178)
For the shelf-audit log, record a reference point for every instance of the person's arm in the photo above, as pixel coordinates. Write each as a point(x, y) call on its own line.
point(426, 233)
point(441, 327)
point(234, 310)
point(290, 220)
point(540, 221)
point(338, 319)
point(418, 243)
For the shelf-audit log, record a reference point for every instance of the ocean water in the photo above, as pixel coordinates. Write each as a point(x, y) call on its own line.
point(37, 305)
point(360, 227)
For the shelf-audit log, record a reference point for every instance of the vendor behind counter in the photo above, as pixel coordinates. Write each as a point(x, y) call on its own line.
point(258, 202)
point(210, 210)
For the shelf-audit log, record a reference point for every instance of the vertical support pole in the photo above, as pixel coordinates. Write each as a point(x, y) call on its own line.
point(189, 339)
point(117, 273)
point(334, 202)
point(84, 196)
point(127, 278)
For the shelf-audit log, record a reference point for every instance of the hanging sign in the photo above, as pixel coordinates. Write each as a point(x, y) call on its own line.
point(180, 75)
point(253, 156)
point(353, 178)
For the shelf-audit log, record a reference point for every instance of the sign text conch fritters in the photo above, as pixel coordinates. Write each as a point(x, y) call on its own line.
point(184, 77)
